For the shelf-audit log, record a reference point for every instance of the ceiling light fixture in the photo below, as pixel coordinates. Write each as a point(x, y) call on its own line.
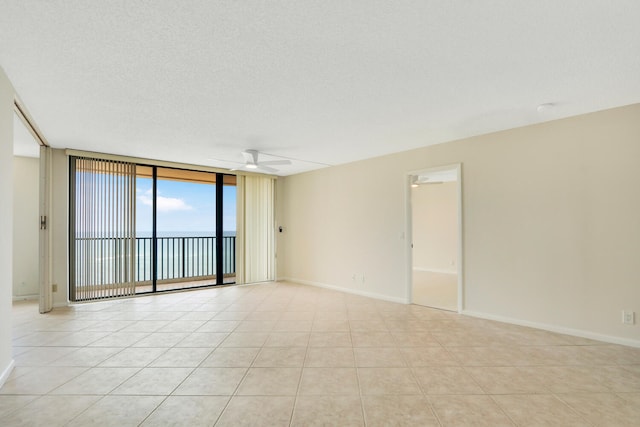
point(543, 108)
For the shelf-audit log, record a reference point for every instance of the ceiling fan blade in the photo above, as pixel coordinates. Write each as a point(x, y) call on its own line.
point(276, 162)
point(250, 156)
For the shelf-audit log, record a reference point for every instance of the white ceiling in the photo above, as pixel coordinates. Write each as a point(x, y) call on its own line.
point(328, 81)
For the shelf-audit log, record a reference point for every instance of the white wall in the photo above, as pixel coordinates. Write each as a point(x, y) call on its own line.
point(435, 227)
point(550, 223)
point(26, 171)
point(6, 222)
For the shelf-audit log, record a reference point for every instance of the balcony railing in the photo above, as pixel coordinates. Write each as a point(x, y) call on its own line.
point(184, 257)
point(178, 259)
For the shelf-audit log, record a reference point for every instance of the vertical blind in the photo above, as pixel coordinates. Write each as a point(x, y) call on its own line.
point(102, 228)
point(256, 197)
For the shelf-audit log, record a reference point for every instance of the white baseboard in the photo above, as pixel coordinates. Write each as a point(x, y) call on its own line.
point(347, 290)
point(553, 328)
point(26, 297)
point(435, 270)
point(6, 372)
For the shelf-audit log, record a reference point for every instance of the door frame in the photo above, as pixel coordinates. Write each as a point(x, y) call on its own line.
point(409, 230)
point(44, 264)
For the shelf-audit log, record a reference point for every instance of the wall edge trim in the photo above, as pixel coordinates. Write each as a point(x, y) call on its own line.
point(6, 372)
point(612, 339)
point(346, 290)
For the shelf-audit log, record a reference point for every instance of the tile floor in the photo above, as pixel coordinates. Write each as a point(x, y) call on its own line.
point(284, 354)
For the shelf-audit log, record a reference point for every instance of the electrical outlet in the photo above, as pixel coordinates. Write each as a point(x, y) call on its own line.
point(54, 288)
point(628, 317)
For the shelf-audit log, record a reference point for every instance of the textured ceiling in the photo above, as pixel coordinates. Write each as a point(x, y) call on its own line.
point(323, 81)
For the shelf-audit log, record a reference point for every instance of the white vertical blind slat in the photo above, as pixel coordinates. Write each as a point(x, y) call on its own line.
point(103, 197)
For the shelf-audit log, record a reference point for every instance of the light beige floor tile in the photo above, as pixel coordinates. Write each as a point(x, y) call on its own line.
point(509, 380)
point(192, 411)
point(330, 357)
point(86, 356)
point(446, 380)
point(330, 325)
point(327, 313)
point(428, 356)
point(370, 325)
point(255, 326)
point(293, 326)
point(211, 382)
point(42, 356)
point(203, 339)
point(298, 315)
point(445, 353)
point(328, 381)
point(414, 339)
point(379, 357)
point(287, 339)
point(573, 379)
point(161, 339)
point(469, 410)
point(245, 339)
point(153, 381)
point(45, 411)
point(377, 381)
point(184, 326)
point(257, 411)
point(199, 315)
point(219, 326)
point(231, 315)
point(119, 339)
point(539, 410)
point(10, 403)
point(121, 411)
point(330, 339)
point(372, 339)
point(231, 357)
point(497, 356)
point(40, 338)
point(344, 411)
point(80, 339)
point(398, 411)
point(96, 381)
point(133, 357)
point(264, 315)
point(181, 357)
point(109, 325)
point(280, 357)
point(270, 382)
point(40, 380)
point(604, 409)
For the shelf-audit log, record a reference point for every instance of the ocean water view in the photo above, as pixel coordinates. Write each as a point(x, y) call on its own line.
point(180, 255)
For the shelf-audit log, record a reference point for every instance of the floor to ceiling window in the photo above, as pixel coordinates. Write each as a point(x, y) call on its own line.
point(138, 229)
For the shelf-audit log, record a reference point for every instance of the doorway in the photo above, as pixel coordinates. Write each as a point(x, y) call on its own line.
point(435, 219)
point(26, 172)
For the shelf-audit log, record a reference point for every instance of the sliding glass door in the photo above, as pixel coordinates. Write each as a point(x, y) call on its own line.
point(154, 227)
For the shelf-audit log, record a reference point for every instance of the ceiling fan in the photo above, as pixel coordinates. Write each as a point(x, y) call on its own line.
point(252, 163)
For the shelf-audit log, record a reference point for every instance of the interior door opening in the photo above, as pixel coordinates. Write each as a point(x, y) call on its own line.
point(435, 223)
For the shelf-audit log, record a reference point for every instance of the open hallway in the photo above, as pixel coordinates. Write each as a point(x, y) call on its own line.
point(286, 354)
